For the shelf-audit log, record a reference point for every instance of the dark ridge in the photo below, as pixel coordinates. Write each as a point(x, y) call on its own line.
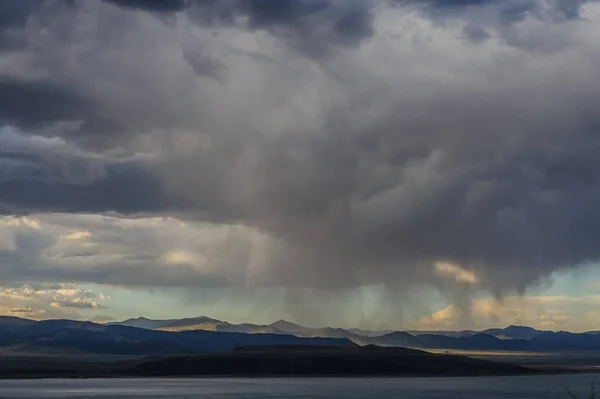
point(318, 361)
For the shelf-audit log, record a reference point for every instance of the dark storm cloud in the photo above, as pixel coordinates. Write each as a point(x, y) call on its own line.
point(125, 188)
point(31, 103)
point(511, 10)
point(39, 174)
point(498, 178)
point(15, 13)
point(365, 167)
point(14, 16)
point(504, 19)
point(313, 26)
point(476, 34)
point(153, 5)
point(203, 64)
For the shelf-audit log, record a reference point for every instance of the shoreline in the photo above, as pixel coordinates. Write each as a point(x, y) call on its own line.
point(282, 362)
point(531, 372)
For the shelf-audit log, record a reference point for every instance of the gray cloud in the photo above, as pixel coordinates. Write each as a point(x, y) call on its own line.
point(33, 103)
point(78, 304)
point(21, 310)
point(125, 189)
point(12, 16)
point(16, 13)
point(509, 20)
point(476, 34)
point(48, 174)
point(481, 174)
point(510, 10)
point(315, 27)
point(153, 5)
point(366, 166)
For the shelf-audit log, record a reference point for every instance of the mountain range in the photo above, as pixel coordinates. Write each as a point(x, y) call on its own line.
point(147, 337)
point(512, 338)
point(22, 336)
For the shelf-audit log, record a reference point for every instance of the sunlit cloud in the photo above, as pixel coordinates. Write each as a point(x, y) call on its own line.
point(22, 222)
point(49, 301)
point(455, 272)
point(543, 312)
point(78, 235)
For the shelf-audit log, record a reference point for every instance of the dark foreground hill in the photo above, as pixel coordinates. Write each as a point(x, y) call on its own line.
point(320, 361)
point(266, 361)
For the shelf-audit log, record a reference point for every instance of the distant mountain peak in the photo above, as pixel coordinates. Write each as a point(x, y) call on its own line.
point(284, 323)
point(514, 332)
point(399, 334)
point(293, 328)
point(267, 330)
point(514, 327)
point(142, 322)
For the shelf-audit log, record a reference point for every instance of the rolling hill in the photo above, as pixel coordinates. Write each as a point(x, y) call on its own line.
point(142, 322)
point(511, 338)
point(188, 324)
point(268, 330)
point(207, 324)
point(60, 336)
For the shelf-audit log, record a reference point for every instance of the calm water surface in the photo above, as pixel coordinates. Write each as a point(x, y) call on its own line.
point(407, 388)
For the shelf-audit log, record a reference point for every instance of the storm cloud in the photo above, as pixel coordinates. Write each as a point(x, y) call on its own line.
point(355, 142)
point(314, 27)
point(31, 103)
point(40, 174)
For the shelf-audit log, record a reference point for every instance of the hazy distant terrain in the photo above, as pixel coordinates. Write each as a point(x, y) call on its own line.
point(509, 339)
point(20, 336)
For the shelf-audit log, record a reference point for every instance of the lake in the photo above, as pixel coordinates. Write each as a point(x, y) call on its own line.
point(525, 387)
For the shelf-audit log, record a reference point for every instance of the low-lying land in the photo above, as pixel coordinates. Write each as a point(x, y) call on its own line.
point(266, 361)
point(322, 361)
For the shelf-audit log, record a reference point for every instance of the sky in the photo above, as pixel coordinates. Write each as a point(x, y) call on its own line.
point(378, 164)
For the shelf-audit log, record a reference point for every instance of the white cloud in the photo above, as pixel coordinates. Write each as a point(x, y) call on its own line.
point(13, 227)
point(42, 301)
point(77, 235)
